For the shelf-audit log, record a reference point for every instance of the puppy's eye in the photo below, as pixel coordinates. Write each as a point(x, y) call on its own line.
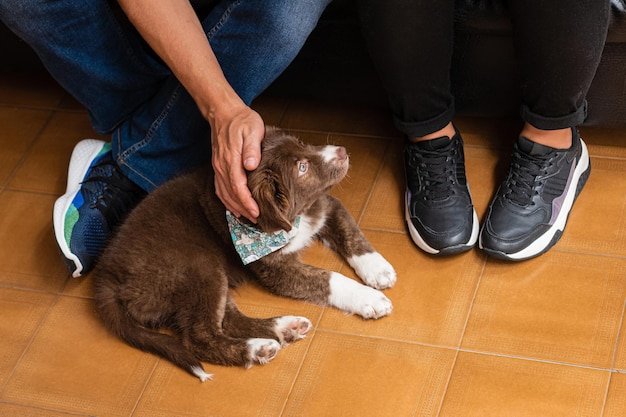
point(303, 167)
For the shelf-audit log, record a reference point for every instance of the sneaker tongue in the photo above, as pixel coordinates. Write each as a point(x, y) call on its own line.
point(532, 148)
point(434, 144)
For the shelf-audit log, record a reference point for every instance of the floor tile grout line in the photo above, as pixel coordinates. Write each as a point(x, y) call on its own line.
point(28, 149)
point(380, 229)
point(300, 367)
point(381, 167)
point(608, 158)
point(33, 290)
point(55, 410)
point(462, 335)
point(449, 378)
point(606, 394)
point(619, 335)
point(30, 342)
point(27, 191)
point(538, 360)
point(473, 351)
point(76, 296)
point(579, 252)
point(386, 339)
point(145, 386)
point(474, 296)
point(614, 359)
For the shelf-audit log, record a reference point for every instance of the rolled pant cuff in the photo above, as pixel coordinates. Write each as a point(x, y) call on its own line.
point(418, 129)
point(553, 123)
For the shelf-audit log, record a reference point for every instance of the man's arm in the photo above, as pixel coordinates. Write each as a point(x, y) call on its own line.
point(173, 30)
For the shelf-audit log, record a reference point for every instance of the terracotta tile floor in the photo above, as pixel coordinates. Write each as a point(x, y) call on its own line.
point(469, 336)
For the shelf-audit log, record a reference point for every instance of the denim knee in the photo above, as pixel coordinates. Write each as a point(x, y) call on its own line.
point(27, 18)
point(254, 41)
point(289, 22)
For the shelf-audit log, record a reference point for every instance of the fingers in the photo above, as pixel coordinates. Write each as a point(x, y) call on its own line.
point(237, 199)
point(236, 196)
point(251, 152)
point(237, 146)
point(231, 186)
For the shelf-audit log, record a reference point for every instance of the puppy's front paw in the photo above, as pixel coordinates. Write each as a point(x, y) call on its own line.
point(262, 351)
point(291, 328)
point(374, 270)
point(374, 304)
point(352, 297)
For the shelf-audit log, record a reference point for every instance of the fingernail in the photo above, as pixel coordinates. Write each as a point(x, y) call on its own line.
point(249, 163)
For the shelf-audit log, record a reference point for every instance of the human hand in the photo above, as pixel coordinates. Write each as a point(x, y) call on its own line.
point(236, 137)
point(174, 31)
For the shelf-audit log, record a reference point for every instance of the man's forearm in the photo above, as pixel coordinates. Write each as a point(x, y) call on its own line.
point(173, 30)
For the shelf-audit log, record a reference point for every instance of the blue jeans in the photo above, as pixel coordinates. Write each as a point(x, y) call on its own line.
point(157, 130)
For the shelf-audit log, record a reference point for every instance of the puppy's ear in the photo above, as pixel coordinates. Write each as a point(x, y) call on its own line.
point(273, 199)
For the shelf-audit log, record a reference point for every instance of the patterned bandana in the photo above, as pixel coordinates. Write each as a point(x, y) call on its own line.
point(251, 243)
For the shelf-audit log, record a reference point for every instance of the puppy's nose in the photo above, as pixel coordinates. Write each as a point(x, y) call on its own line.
point(342, 154)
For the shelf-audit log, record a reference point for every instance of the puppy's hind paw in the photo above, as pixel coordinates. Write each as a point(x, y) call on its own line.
point(374, 270)
point(262, 351)
point(291, 328)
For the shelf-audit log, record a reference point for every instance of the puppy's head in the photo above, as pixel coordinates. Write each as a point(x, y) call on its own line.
point(291, 176)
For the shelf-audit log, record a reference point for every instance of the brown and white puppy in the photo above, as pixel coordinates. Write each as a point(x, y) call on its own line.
point(170, 265)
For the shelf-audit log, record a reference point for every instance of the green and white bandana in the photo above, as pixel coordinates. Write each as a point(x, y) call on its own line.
point(251, 243)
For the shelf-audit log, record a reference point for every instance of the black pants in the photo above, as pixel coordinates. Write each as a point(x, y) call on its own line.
point(558, 45)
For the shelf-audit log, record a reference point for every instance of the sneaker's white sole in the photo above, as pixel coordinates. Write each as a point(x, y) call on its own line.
point(545, 241)
point(82, 156)
point(419, 241)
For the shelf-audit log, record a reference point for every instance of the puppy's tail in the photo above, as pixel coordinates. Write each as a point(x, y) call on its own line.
point(115, 317)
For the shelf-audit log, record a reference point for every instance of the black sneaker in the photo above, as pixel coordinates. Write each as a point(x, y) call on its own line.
point(528, 214)
point(97, 199)
point(438, 206)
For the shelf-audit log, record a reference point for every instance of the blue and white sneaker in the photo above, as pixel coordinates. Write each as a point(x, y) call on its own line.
point(97, 199)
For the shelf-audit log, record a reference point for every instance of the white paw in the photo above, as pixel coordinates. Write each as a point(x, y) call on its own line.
point(262, 351)
point(352, 297)
point(291, 328)
point(374, 270)
point(374, 305)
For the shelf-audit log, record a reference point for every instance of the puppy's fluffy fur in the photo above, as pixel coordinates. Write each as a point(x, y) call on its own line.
point(170, 265)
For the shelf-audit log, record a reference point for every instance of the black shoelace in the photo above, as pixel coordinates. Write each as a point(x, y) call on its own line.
point(522, 180)
point(436, 171)
point(118, 195)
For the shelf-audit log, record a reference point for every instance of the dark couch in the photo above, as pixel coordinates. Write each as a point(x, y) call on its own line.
point(334, 65)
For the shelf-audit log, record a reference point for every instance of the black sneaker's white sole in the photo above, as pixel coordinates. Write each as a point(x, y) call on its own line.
point(82, 156)
point(450, 250)
point(553, 234)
